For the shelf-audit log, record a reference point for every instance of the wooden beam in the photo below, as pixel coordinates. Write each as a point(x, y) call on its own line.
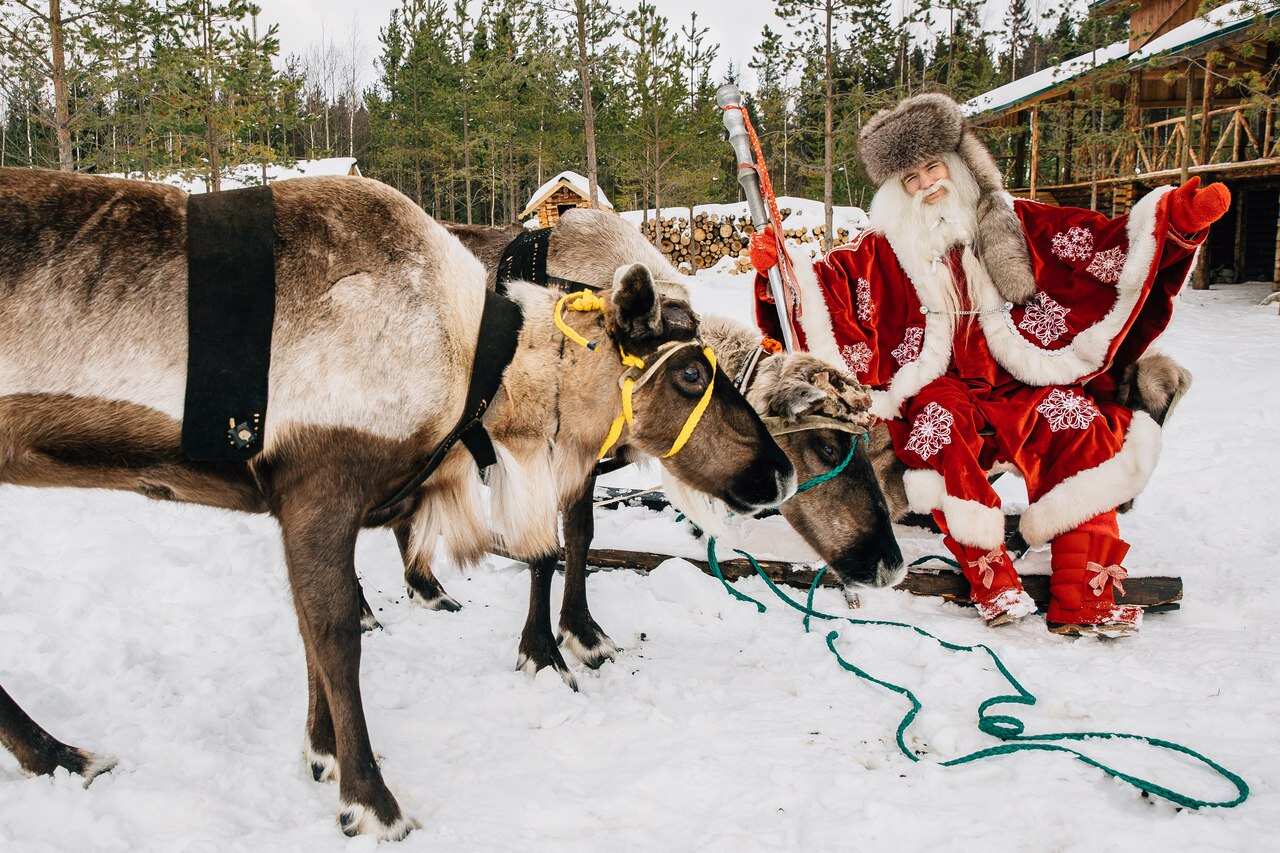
point(1206, 95)
point(1153, 592)
point(1035, 149)
point(1186, 125)
point(1275, 275)
point(1241, 204)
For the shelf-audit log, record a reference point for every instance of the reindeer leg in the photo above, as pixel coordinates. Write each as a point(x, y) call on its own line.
point(368, 622)
point(578, 630)
point(39, 752)
point(537, 645)
point(420, 580)
point(320, 537)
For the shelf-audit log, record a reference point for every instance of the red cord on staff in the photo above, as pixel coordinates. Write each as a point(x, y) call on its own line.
point(790, 283)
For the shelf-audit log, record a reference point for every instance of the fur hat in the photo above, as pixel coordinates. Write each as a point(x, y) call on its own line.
point(931, 124)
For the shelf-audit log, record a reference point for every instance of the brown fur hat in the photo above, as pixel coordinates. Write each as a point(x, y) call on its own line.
point(927, 126)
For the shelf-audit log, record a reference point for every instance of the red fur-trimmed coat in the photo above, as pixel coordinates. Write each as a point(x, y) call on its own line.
point(1040, 376)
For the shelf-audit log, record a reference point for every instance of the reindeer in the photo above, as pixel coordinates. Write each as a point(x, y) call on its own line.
point(378, 309)
point(847, 521)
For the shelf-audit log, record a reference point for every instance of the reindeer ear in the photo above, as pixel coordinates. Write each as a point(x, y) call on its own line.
point(785, 393)
point(636, 310)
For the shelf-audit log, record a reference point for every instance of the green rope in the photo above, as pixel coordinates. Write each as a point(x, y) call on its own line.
point(814, 482)
point(1005, 727)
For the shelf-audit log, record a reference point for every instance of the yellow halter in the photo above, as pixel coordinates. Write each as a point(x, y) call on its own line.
point(629, 383)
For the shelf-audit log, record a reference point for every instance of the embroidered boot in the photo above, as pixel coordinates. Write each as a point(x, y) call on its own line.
point(1086, 575)
point(994, 586)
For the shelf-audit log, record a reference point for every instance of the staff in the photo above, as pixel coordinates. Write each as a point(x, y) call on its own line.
point(729, 99)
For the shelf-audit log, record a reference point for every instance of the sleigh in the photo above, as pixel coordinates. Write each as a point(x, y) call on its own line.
point(931, 576)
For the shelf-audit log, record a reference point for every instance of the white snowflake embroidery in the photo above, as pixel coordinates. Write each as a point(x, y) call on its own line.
point(1066, 410)
point(866, 307)
point(931, 431)
point(857, 356)
point(909, 350)
point(1045, 319)
point(1106, 266)
point(1074, 244)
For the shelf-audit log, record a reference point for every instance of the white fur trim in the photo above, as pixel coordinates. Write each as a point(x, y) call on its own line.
point(935, 351)
point(815, 314)
point(1094, 491)
point(1087, 352)
point(970, 522)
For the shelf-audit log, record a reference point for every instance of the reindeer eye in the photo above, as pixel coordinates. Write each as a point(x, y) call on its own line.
point(827, 450)
point(691, 379)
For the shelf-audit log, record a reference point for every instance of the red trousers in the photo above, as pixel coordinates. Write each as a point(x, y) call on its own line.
point(954, 432)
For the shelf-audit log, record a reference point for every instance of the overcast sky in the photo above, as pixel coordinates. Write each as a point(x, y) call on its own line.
point(735, 24)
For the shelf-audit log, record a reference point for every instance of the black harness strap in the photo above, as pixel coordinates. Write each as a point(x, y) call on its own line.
point(525, 259)
point(231, 304)
point(499, 330)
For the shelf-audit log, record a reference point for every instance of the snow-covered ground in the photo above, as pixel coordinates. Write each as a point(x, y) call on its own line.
point(164, 634)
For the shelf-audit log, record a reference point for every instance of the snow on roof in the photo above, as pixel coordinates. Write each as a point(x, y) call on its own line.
point(1219, 22)
point(1044, 79)
point(574, 181)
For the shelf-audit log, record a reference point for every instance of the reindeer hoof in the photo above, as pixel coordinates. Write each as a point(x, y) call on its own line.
point(536, 656)
point(359, 819)
point(591, 646)
point(87, 764)
point(324, 765)
point(431, 595)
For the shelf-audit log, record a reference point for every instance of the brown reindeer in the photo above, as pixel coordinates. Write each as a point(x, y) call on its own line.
point(377, 313)
point(847, 522)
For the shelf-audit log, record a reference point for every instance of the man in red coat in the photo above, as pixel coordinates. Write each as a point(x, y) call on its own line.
point(994, 332)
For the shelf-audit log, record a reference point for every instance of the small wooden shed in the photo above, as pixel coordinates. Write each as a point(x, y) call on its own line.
point(566, 190)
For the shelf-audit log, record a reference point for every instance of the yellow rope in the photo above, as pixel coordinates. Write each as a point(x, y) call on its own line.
point(696, 415)
point(585, 300)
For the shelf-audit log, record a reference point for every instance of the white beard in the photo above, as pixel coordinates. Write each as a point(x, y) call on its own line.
point(929, 231)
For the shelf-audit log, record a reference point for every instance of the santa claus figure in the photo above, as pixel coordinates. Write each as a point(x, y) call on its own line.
point(994, 332)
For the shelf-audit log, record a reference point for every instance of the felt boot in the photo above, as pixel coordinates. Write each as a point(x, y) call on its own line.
point(994, 586)
point(1086, 576)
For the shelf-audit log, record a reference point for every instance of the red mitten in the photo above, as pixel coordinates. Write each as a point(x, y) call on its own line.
point(1193, 208)
point(764, 250)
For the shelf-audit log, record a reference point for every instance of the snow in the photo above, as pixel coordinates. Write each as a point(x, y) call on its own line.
point(250, 174)
point(577, 182)
point(163, 634)
point(1044, 79)
point(1221, 20)
point(805, 213)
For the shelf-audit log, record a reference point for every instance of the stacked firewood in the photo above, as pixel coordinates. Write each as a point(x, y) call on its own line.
point(714, 237)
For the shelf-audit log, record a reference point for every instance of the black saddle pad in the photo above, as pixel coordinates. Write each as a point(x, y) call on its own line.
point(231, 304)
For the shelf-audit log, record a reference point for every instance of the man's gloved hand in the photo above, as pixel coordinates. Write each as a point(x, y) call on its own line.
point(1193, 208)
point(764, 250)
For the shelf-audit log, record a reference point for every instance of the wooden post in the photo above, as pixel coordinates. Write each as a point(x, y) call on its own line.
point(1275, 273)
point(1035, 149)
point(1241, 204)
point(1186, 127)
point(1206, 102)
point(1266, 132)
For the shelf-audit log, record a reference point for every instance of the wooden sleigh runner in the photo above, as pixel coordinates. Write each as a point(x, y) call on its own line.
point(932, 577)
